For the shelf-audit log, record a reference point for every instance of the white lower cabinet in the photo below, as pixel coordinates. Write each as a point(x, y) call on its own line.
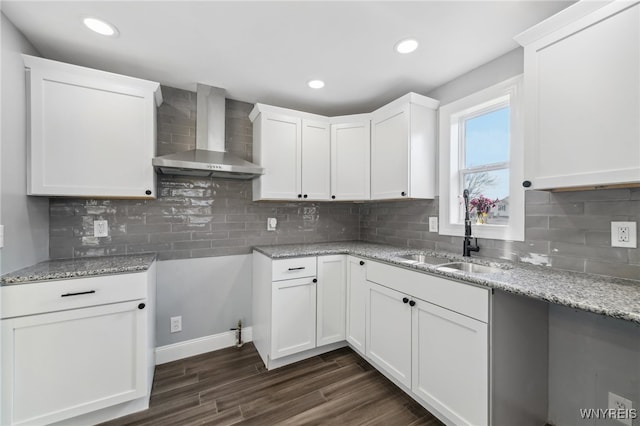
point(430, 335)
point(299, 307)
point(61, 364)
point(356, 303)
point(294, 316)
point(331, 293)
point(450, 363)
point(389, 332)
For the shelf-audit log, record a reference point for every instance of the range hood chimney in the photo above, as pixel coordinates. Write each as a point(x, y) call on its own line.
point(210, 158)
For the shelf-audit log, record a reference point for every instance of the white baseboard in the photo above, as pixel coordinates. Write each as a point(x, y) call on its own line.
point(199, 346)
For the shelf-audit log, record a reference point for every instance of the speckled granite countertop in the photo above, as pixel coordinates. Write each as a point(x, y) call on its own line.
point(76, 268)
point(613, 297)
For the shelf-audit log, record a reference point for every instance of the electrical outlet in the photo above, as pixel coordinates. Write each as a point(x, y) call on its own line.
point(623, 407)
point(176, 324)
point(272, 223)
point(624, 234)
point(1, 236)
point(100, 228)
point(433, 224)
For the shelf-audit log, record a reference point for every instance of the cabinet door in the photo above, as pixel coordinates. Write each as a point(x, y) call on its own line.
point(356, 302)
point(450, 363)
point(350, 161)
point(388, 341)
point(63, 364)
point(331, 294)
point(294, 316)
point(584, 103)
point(316, 160)
point(90, 134)
point(390, 153)
point(281, 156)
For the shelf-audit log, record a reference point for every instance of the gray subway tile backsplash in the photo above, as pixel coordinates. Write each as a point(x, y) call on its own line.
point(195, 217)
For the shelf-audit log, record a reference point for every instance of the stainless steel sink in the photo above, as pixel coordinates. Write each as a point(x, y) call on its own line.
point(469, 268)
point(423, 258)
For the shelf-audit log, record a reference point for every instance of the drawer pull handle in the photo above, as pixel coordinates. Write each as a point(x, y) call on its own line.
point(299, 268)
point(78, 294)
point(141, 306)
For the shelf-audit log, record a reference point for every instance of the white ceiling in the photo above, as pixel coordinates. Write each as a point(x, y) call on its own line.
point(266, 51)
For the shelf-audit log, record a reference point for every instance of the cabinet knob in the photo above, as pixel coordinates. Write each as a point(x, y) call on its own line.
point(405, 300)
point(526, 183)
point(299, 195)
point(148, 192)
point(315, 280)
point(412, 303)
point(403, 193)
point(361, 262)
point(141, 306)
point(305, 196)
point(333, 197)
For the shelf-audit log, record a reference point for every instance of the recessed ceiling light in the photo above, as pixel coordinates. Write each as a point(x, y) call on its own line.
point(316, 84)
point(101, 27)
point(407, 45)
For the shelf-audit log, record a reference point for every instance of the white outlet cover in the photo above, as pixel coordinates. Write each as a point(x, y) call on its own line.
point(433, 224)
point(633, 235)
point(100, 228)
point(176, 324)
point(617, 402)
point(272, 223)
point(1, 236)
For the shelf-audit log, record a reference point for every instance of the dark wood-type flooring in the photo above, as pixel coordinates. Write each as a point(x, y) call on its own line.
point(232, 387)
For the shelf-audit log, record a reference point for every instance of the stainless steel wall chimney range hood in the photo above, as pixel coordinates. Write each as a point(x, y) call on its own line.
point(210, 158)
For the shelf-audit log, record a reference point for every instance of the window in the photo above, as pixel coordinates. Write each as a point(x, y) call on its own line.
point(481, 150)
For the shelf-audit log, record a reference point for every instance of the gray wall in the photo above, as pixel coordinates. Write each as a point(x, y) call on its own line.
point(211, 294)
point(25, 219)
point(590, 356)
point(195, 217)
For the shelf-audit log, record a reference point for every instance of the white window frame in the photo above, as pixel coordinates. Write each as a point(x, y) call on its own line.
point(509, 91)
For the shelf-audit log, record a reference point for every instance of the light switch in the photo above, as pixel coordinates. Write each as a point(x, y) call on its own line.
point(1, 236)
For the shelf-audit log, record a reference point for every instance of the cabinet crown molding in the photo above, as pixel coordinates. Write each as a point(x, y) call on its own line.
point(146, 85)
point(568, 16)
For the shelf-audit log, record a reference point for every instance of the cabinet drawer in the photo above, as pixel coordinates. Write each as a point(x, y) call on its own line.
point(299, 267)
point(463, 298)
point(59, 295)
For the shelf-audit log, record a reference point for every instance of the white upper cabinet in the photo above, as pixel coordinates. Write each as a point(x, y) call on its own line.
point(91, 133)
point(294, 149)
point(403, 149)
point(316, 160)
point(350, 158)
point(582, 83)
point(387, 154)
point(277, 146)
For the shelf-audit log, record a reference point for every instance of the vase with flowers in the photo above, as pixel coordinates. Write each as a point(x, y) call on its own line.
point(481, 206)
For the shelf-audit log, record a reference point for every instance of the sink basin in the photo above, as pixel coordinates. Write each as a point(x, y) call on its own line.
point(423, 258)
point(469, 268)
